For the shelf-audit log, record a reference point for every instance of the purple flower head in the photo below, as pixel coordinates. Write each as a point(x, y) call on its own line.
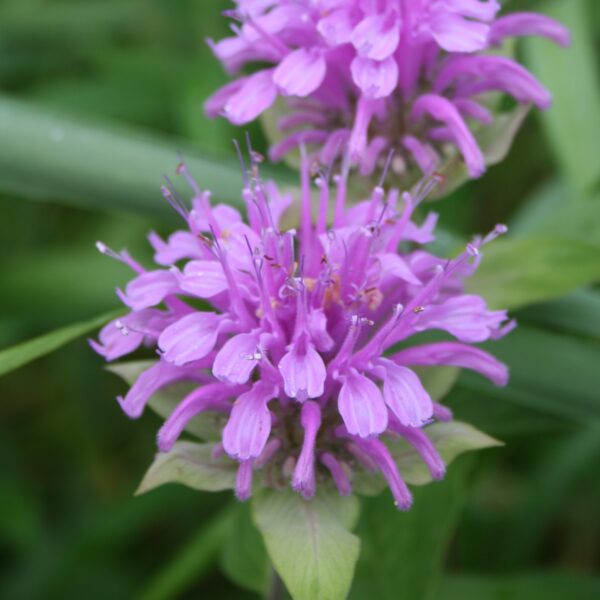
point(306, 342)
point(416, 76)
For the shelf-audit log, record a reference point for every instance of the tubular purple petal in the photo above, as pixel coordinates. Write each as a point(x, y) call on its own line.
point(456, 355)
point(191, 338)
point(147, 384)
point(337, 474)
point(421, 443)
point(377, 36)
point(243, 481)
point(149, 289)
point(209, 397)
point(303, 479)
point(300, 73)
point(256, 95)
point(249, 425)
point(303, 372)
point(361, 406)
point(441, 109)
point(525, 24)
point(381, 456)
point(405, 395)
point(238, 357)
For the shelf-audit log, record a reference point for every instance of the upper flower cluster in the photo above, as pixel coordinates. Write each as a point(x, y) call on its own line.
point(374, 75)
point(305, 347)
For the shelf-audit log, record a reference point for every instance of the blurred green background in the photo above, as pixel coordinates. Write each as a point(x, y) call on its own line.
point(96, 98)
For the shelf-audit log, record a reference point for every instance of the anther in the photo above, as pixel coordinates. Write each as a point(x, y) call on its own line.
point(472, 250)
point(104, 249)
point(232, 13)
point(123, 329)
point(500, 229)
point(358, 321)
point(175, 202)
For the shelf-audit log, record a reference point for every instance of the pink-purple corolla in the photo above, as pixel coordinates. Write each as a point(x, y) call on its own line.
point(305, 345)
point(415, 76)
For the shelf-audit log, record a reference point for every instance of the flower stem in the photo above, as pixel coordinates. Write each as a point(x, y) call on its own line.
point(276, 588)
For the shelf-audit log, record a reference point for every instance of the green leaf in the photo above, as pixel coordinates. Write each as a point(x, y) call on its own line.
point(206, 426)
point(243, 556)
point(553, 373)
point(534, 214)
point(368, 483)
point(21, 354)
point(50, 156)
point(516, 272)
point(309, 541)
point(495, 141)
point(403, 553)
point(576, 313)
point(438, 381)
point(549, 488)
point(60, 270)
point(559, 210)
point(502, 420)
point(573, 122)
point(193, 465)
point(535, 586)
point(451, 440)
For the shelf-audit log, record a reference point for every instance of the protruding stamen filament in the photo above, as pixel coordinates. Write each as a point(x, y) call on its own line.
point(338, 474)
point(122, 257)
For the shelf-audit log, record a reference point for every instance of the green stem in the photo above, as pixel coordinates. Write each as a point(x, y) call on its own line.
point(276, 588)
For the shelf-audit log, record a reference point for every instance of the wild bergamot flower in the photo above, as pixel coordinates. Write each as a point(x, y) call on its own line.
point(415, 76)
point(306, 345)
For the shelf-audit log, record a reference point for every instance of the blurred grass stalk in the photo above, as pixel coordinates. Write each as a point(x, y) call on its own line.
point(47, 156)
point(192, 561)
point(573, 123)
point(21, 354)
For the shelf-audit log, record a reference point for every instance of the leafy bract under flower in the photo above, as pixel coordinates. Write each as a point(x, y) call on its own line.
point(307, 347)
point(415, 76)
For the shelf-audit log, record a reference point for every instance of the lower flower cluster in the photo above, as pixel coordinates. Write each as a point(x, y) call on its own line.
point(306, 345)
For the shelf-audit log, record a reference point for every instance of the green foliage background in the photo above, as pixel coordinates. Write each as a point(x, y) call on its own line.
point(96, 97)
